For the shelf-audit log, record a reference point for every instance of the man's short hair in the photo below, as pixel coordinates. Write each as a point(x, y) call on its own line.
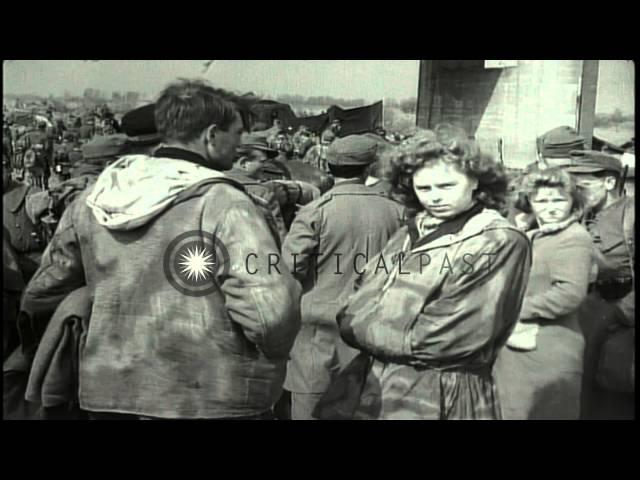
point(348, 171)
point(185, 108)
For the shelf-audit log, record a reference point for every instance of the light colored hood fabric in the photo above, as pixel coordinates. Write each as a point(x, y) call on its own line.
point(137, 188)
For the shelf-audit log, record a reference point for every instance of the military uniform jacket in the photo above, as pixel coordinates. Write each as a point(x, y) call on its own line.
point(332, 238)
point(612, 230)
point(25, 237)
point(18, 223)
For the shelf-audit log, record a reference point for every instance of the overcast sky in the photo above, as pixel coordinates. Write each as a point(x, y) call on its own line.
point(369, 79)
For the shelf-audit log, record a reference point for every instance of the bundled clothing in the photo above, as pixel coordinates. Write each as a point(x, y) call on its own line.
point(433, 322)
point(53, 379)
point(44, 386)
point(153, 350)
point(539, 373)
point(12, 287)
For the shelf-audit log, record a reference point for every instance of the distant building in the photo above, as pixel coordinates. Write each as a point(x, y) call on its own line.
point(507, 104)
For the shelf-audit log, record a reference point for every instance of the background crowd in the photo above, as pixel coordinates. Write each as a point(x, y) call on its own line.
point(524, 310)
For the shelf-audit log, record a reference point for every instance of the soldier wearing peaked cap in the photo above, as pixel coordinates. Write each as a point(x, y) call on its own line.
point(329, 242)
point(554, 146)
point(352, 150)
point(252, 154)
point(104, 149)
point(139, 126)
point(261, 174)
point(608, 315)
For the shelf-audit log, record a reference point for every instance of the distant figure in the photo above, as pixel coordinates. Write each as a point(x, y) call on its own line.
point(316, 156)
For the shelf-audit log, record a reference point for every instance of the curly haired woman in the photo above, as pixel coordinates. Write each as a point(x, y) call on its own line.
point(431, 325)
point(539, 373)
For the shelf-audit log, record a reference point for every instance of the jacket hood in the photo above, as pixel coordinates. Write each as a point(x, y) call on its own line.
point(137, 188)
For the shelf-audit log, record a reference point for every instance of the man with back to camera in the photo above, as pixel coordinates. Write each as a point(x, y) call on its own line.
point(202, 338)
point(326, 248)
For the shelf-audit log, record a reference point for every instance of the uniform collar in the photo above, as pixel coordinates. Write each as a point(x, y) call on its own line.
point(349, 181)
point(352, 186)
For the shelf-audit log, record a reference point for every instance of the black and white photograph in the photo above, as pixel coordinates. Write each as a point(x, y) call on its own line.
point(318, 240)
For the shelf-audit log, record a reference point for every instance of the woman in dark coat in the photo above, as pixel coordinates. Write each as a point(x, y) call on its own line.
point(539, 372)
point(431, 326)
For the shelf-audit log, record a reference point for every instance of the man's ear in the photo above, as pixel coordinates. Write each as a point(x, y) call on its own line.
point(210, 133)
point(610, 183)
point(242, 161)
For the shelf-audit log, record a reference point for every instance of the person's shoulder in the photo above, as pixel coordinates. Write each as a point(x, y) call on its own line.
point(577, 231)
point(397, 239)
point(491, 220)
point(240, 177)
point(15, 197)
point(227, 190)
point(630, 205)
point(497, 230)
point(323, 201)
point(624, 203)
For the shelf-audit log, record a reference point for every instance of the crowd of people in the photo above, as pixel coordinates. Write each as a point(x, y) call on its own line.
point(186, 262)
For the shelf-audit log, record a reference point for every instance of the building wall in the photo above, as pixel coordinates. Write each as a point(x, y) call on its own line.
point(514, 105)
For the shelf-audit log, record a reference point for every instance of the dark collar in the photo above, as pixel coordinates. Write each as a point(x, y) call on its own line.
point(448, 227)
point(181, 154)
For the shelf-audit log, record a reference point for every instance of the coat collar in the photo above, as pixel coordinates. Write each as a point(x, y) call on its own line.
point(444, 228)
point(551, 228)
point(484, 220)
point(351, 186)
point(181, 154)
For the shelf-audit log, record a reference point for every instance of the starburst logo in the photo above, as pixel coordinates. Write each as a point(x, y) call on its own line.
point(193, 261)
point(196, 263)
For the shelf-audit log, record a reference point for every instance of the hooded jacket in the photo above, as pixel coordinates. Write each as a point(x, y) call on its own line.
point(150, 349)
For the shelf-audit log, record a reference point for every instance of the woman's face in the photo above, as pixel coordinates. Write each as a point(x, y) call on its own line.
point(443, 190)
point(551, 204)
